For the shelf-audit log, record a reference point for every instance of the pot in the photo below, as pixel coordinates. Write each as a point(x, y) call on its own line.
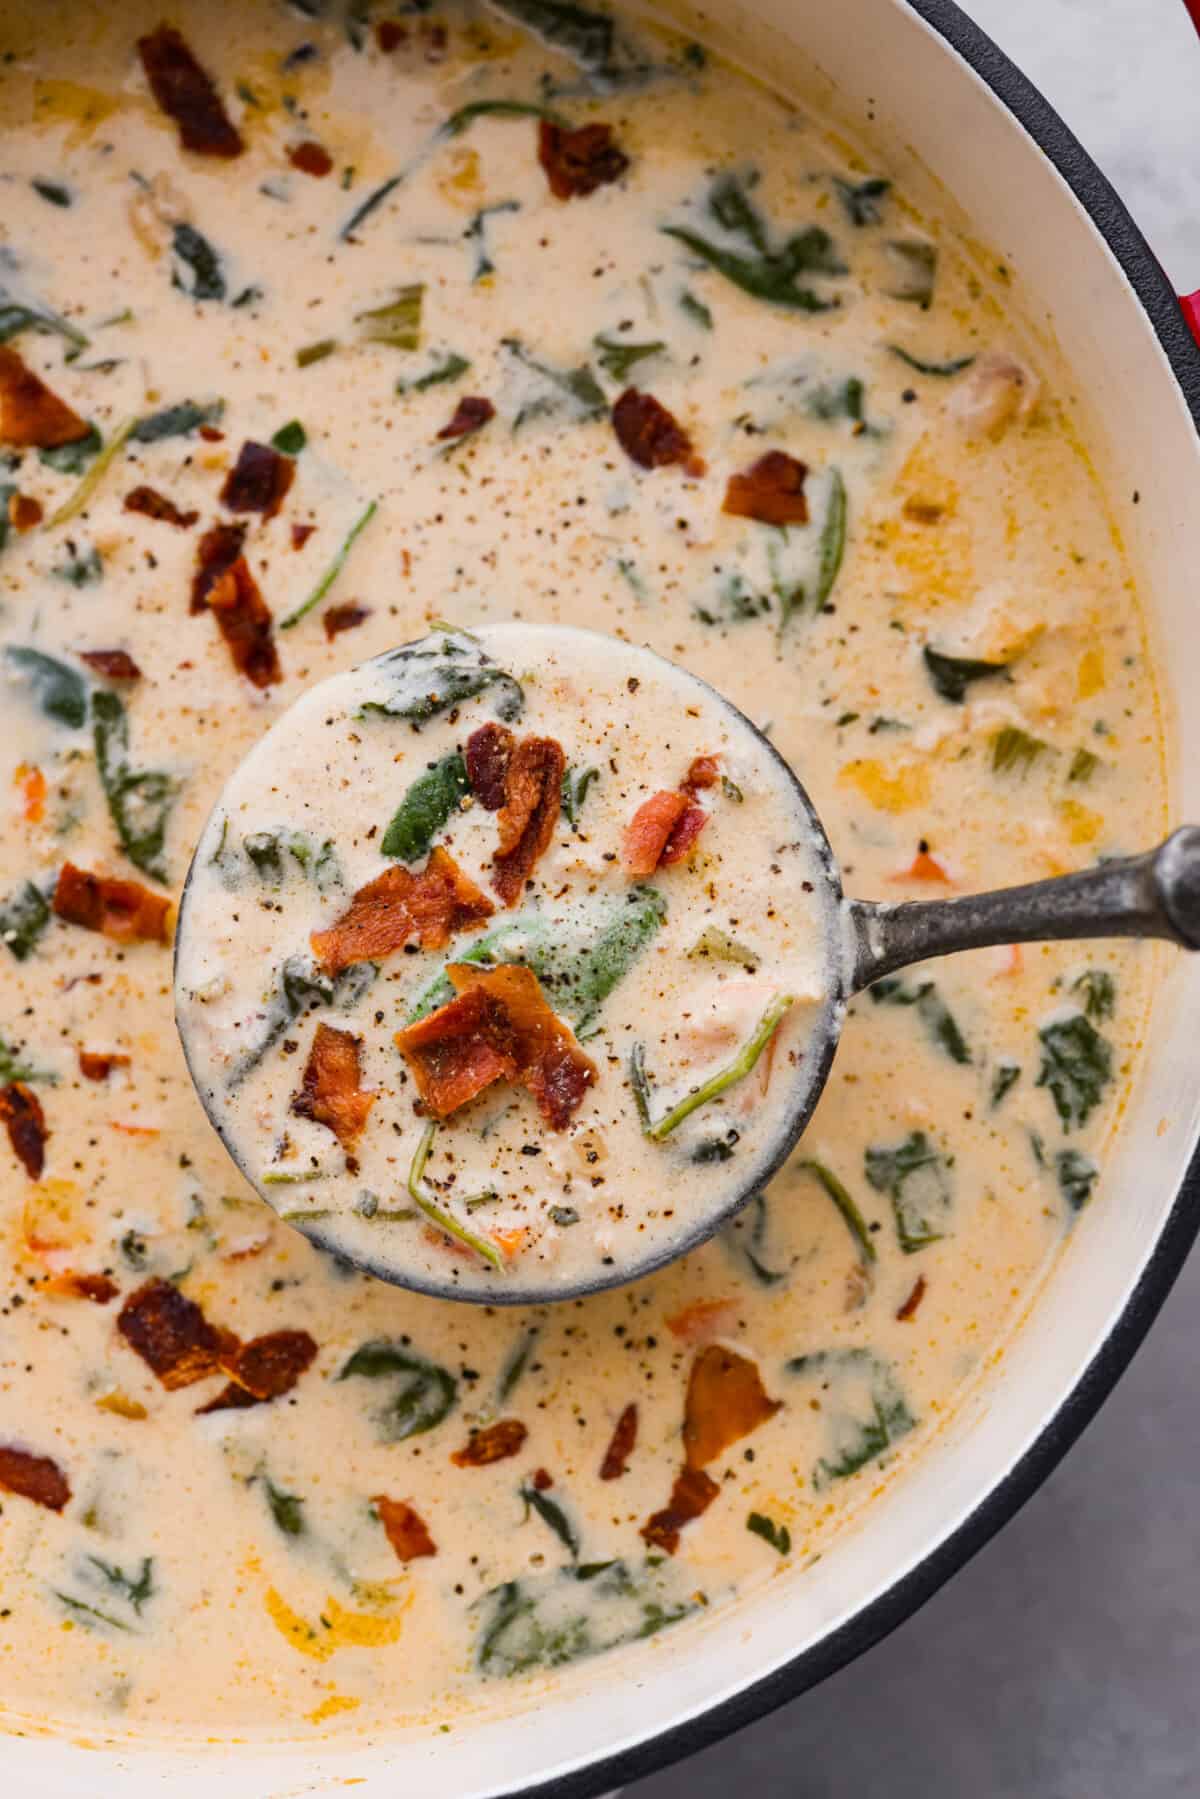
point(937, 95)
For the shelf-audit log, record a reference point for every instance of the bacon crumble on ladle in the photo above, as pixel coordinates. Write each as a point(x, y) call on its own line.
point(532, 802)
point(31, 417)
point(578, 162)
point(123, 910)
point(399, 907)
point(665, 827)
point(331, 1091)
point(489, 752)
point(188, 95)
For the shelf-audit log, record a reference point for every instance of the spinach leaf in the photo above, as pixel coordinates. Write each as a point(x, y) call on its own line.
point(16, 317)
point(373, 201)
point(398, 324)
point(931, 1009)
point(917, 1180)
point(952, 675)
point(589, 38)
point(431, 800)
point(832, 546)
point(572, 391)
point(616, 358)
point(61, 692)
point(846, 399)
point(134, 1589)
point(777, 1535)
point(915, 263)
point(696, 310)
point(275, 854)
point(545, 1621)
point(745, 256)
point(450, 368)
point(82, 569)
point(12, 1068)
point(944, 370)
point(333, 571)
point(739, 602)
point(139, 799)
point(24, 915)
point(1005, 1077)
point(89, 1616)
point(1013, 748)
point(73, 458)
point(871, 1412)
point(575, 784)
point(465, 116)
point(422, 1392)
point(745, 1239)
point(1077, 1175)
point(307, 354)
point(854, 1221)
point(300, 986)
point(179, 420)
point(861, 199)
point(552, 1514)
point(290, 439)
point(1076, 1066)
point(439, 672)
point(287, 1509)
point(516, 1363)
point(1099, 992)
point(197, 272)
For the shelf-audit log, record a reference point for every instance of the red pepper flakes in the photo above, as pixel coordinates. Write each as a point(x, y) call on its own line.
point(31, 417)
point(489, 752)
point(406, 1529)
point(152, 504)
point(621, 1444)
point(400, 907)
point(651, 435)
point(532, 802)
point(471, 414)
point(770, 491)
point(24, 1120)
point(24, 512)
point(124, 910)
point(218, 550)
point(245, 622)
point(691, 1496)
point(725, 1401)
point(173, 1337)
point(187, 94)
point(390, 34)
point(494, 1443)
point(99, 1288)
point(97, 1065)
point(117, 665)
point(337, 619)
point(330, 1091)
point(578, 162)
point(33, 1477)
point(300, 536)
point(909, 1309)
point(310, 158)
point(258, 481)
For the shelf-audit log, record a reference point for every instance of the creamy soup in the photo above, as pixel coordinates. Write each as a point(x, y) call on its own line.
point(324, 326)
point(601, 989)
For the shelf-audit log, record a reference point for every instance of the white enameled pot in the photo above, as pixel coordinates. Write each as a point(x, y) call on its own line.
point(935, 96)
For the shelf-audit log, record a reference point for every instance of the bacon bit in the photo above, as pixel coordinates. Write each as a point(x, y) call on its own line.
point(691, 1496)
point(121, 1405)
point(25, 1122)
point(173, 1337)
point(258, 481)
point(210, 434)
point(495, 1443)
point(703, 1320)
point(471, 414)
point(909, 1308)
point(117, 665)
point(124, 910)
point(389, 35)
point(652, 436)
point(187, 94)
point(550, 1063)
point(310, 158)
point(400, 907)
point(621, 1444)
point(31, 417)
point(33, 1477)
point(246, 624)
point(771, 491)
point(405, 1528)
point(703, 771)
point(337, 619)
point(457, 1051)
point(152, 504)
point(532, 801)
point(32, 785)
point(436, 40)
point(24, 512)
point(97, 1065)
point(725, 1400)
point(99, 1288)
point(133, 1130)
point(924, 867)
point(218, 550)
point(331, 1092)
point(489, 752)
point(578, 162)
point(684, 833)
point(300, 536)
point(269, 1366)
point(649, 831)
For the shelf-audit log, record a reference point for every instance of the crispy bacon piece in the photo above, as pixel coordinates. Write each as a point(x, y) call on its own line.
point(578, 162)
point(25, 1122)
point(124, 910)
point(337, 619)
point(33, 1477)
point(400, 907)
point(725, 1400)
point(457, 1051)
point(691, 1496)
point(406, 1529)
point(216, 554)
point(99, 1288)
point(24, 512)
point(532, 801)
point(116, 665)
point(648, 831)
point(258, 481)
point(152, 504)
point(173, 1337)
point(31, 417)
point(771, 491)
point(703, 771)
point(471, 414)
point(310, 158)
point(331, 1091)
point(909, 1309)
point(621, 1444)
point(187, 94)
point(300, 536)
point(495, 1443)
point(682, 836)
point(97, 1065)
point(246, 624)
point(389, 35)
point(264, 1369)
point(651, 435)
point(489, 752)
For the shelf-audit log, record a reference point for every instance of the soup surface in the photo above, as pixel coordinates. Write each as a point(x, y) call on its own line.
point(324, 325)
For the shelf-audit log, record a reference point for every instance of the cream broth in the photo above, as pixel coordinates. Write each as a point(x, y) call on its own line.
point(241, 1483)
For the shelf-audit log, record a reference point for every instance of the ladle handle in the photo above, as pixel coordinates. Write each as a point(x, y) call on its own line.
point(1153, 895)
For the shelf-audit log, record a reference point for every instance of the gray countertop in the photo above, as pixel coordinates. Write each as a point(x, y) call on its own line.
point(1064, 1661)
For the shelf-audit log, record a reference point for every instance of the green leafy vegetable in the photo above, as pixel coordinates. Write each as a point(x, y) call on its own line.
point(777, 1535)
point(931, 1009)
point(135, 1589)
point(300, 986)
point(846, 399)
point(952, 675)
point(1004, 1078)
point(1099, 992)
point(422, 1393)
point(616, 358)
point(563, 1215)
point(917, 1180)
point(307, 354)
point(451, 368)
point(287, 1509)
point(589, 38)
point(61, 692)
point(476, 233)
point(139, 799)
point(465, 116)
point(274, 855)
point(83, 494)
point(89, 1615)
point(290, 439)
point(198, 272)
point(333, 571)
point(575, 391)
point(1013, 748)
point(719, 946)
point(745, 256)
point(73, 458)
point(1083, 765)
point(745, 1237)
point(545, 1621)
point(552, 1514)
point(372, 203)
point(832, 546)
point(854, 1221)
point(954, 366)
point(866, 1412)
point(81, 570)
point(179, 420)
point(1076, 1066)
point(24, 915)
point(12, 1068)
point(575, 784)
point(1077, 1175)
point(52, 191)
point(16, 317)
point(696, 310)
point(916, 264)
point(442, 671)
point(516, 1363)
point(398, 324)
point(437, 1214)
point(861, 199)
point(737, 1070)
point(431, 800)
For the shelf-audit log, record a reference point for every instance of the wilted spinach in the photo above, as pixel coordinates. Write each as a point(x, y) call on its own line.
point(139, 799)
point(916, 1178)
point(422, 1393)
point(430, 802)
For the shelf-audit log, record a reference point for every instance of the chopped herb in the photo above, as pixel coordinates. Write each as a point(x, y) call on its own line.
point(855, 1223)
point(52, 191)
point(134, 1589)
point(450, 368)
point(1076, 1066)
point(954, 366)
point(437, 1214)
point(15, 318)
point(696, 310)
point(516, 1363)
point(398, 324)
point(952, 675)
point(475, 233)
point(1099, 992)
point(272, 855)
point(101, 464)
point(176, 421)
point(746, 256)
point(24, 915)
point(716, 1149)
point(1013, 748)
point(61, 693)
point(287, 1509)
point(432, 799)
point(551, 1513)
point(88, 1615)
point(777, 1535)
point(1077, 1175)
point(573, 390)
point(465, 116)
point(737, 1070)
point(442, 671)
point(1004, 1078)
point(587, 37)
point(290, 439)
point(310, 353)
point(872, 1416)
point(832, 546)
point(333, 571)
point(917, 1180)
point(839, 400)
point(861, 199)
point(373, 201)
point(616, 359)
point(1083, 765)
point(139, 799)
point(916, 271)
point(422, 1392)
point(82, 570)
point(718, 946)
point(745, 1238)
point(932, 1010)
point(575, 784)
point(201, 276)
point(73, 458)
